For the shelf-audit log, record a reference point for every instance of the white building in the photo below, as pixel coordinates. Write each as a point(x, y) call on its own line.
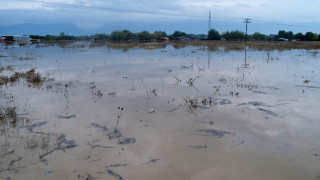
point(21, 38)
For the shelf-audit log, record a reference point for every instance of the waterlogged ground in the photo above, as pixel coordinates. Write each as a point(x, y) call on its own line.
point(95, 111)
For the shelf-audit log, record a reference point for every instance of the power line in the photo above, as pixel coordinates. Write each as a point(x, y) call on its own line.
point(63, 5)
point(110, 9)
point(283, 24)
point(123, 10)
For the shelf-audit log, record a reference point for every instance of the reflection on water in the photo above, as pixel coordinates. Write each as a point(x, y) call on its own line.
point(245, 65)
point(158, 111)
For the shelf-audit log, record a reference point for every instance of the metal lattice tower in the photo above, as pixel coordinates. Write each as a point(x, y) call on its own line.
point(209, 22)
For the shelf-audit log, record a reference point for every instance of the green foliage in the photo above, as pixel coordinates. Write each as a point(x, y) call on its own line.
point(62, 36)
point(101, 36)
point(233, 35)
point(258, 36)
point(286, 35)
point(213, 35)
point(144, 35)
point(281, 34)
point(299, 36)
point(289, 35)
point(177, 34)
point(121, 35)
point(158, 35)
point(310, 36)
point(125, 35)
point(315, 37)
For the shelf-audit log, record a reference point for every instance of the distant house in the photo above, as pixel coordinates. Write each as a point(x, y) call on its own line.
point(282, 39)
point(164, 38)
point(184, 38)
point(17, 38)
point(2, 39)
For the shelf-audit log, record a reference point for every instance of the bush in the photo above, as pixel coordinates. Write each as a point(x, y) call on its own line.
point(213, 35)
point(233, 35)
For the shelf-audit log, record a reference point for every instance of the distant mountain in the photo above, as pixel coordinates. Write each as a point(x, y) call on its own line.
point(42, 29)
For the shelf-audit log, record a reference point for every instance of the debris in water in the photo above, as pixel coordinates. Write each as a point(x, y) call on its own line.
point(268, 112)
point(14, 161)
point(224, 102)
point(48, 172)
point(151, 110)
point(112, 94)
point(62, 144)
point(126, 141)
point(66, 116)
point(116, 165)
point(112, 173)
point(152, 160)
point(102, 127)
point(198, 147)
point(216, 133)
point(115, 134)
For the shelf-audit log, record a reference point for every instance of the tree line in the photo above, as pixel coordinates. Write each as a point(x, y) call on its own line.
point(282, 35)
point(126, 35)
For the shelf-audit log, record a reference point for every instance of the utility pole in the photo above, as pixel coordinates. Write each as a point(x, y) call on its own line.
point(247, 20)
point(209, 22)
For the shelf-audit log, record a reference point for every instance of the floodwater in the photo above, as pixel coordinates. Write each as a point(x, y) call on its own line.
point(164, 112)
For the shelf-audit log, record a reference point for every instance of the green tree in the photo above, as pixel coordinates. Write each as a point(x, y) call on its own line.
point(309, 36)
point(289, 35)
point(258, 36)
point(281, 34)
point(117, 35)
point(213, 35)
point(144, 35)
point(315, 37)
point(128, 35)
point(101, 36)
point(299, 36)
point(233, 35)
point(158, 35)
point(177, 34)
point(121, 35)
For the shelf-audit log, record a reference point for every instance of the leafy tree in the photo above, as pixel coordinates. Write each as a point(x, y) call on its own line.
point(315, 37)
point(309, 36)
point(281, 34)
point(177, 34)
point(213, 35)
point(144, 35)
point(289, 35)
point(299, 36)
point(101, 36)
point(121, 35)
point(158, 35)
point(128, 35)
point(258, 36)
point(233, 35)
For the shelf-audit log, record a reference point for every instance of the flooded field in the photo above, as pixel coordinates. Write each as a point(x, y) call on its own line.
point(85, 110)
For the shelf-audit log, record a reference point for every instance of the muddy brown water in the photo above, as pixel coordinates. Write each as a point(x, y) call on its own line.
point(160, 113)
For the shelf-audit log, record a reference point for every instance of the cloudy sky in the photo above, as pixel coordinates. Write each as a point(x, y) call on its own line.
point(190, 15)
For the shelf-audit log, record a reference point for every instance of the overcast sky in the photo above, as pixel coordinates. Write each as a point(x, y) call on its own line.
point(92, 14)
